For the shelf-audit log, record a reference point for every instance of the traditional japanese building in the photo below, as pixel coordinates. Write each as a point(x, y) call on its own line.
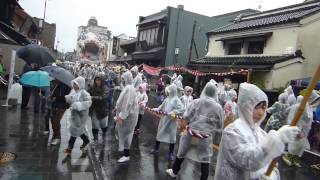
point(174, 36)
point(278, 45)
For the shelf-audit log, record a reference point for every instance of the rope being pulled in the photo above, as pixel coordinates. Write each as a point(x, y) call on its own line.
point(177, 117)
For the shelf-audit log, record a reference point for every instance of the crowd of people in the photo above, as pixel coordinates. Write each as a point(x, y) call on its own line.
point(219, 116)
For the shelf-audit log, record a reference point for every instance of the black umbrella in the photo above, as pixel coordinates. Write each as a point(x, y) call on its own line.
point(59, 74)
point(34, 53)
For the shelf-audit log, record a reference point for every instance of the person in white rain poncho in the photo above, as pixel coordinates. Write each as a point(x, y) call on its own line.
point(167, 128)
point(245, 149)
point(296, 149)
point(292, 100)
point(230, 108)
point(137, 78)
point(142, 101)
point(80, 102)
point(178, 83)
point(279, 111)
point(127, 110)
point(187, 98)
point(205, 117)
point(290, 94)
point(173, 78)
point(224, 93)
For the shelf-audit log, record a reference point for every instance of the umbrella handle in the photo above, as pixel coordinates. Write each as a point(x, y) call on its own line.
point(54, 89)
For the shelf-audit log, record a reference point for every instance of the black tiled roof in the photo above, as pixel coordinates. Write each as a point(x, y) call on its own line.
point(156, 18)
point(127, 42)
point(12, 36)
point(243, 60)
point(288, 14)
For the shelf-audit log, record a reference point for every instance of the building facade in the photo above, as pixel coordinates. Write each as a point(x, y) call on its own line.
point(16, 30)
point(117, 49)
point(278, 45)
point(174, 36)
point(47, 33)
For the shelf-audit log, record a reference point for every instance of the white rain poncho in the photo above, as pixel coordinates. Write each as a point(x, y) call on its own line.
point(292, 99)
point(230, 105)
point(218, 87)
point(142, 98)
point(298, 147)
point(127, 108)
point(173, 78)
point(187, 100)
point(179, 85)
point(279, 111)
point(223, 94)
point(246, 150)
point(288, 90)
point(167, 128)
point(80, 102)
point(204, 115)
point(137, 80)
point(230, 108)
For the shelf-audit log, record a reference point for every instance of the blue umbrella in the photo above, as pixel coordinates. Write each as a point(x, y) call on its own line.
point(36, 79)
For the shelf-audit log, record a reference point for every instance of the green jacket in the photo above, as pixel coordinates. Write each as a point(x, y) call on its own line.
point(1, 69)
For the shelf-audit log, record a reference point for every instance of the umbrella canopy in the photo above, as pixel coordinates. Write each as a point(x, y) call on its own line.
point(36, 79)
point(59, 74)
point(34, 53)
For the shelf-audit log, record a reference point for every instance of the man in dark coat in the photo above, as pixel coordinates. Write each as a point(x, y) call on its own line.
point(59, 106)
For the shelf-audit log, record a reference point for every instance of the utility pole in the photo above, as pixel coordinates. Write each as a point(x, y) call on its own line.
point(43, 23)
point(45, 8)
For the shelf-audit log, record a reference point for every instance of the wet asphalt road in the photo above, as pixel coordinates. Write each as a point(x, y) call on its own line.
point(20, 132)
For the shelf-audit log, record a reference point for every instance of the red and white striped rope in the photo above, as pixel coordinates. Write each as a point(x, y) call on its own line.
point(196, 134)
point(158, 112)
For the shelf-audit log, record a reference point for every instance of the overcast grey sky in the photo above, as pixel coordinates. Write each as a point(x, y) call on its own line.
point(121, 16)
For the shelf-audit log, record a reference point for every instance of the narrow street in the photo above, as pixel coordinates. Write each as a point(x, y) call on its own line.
point(21, 133)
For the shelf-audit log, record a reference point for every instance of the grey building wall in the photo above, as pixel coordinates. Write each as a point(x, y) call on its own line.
point(180, 24)
point(47, 34)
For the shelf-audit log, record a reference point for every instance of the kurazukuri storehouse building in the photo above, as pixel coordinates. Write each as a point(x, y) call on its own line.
point(278, 45)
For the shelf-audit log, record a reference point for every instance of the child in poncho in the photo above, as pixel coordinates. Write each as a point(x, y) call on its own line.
point(80, 102)
point(142, 101)
point(167, 128)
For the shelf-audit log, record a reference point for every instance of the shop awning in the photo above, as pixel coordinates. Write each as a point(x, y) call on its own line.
point(152, 54)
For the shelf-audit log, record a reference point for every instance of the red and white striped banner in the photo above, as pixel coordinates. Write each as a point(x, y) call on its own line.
point(155, 71)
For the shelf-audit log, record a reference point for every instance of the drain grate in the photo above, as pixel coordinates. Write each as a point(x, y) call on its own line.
point(7, 157)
